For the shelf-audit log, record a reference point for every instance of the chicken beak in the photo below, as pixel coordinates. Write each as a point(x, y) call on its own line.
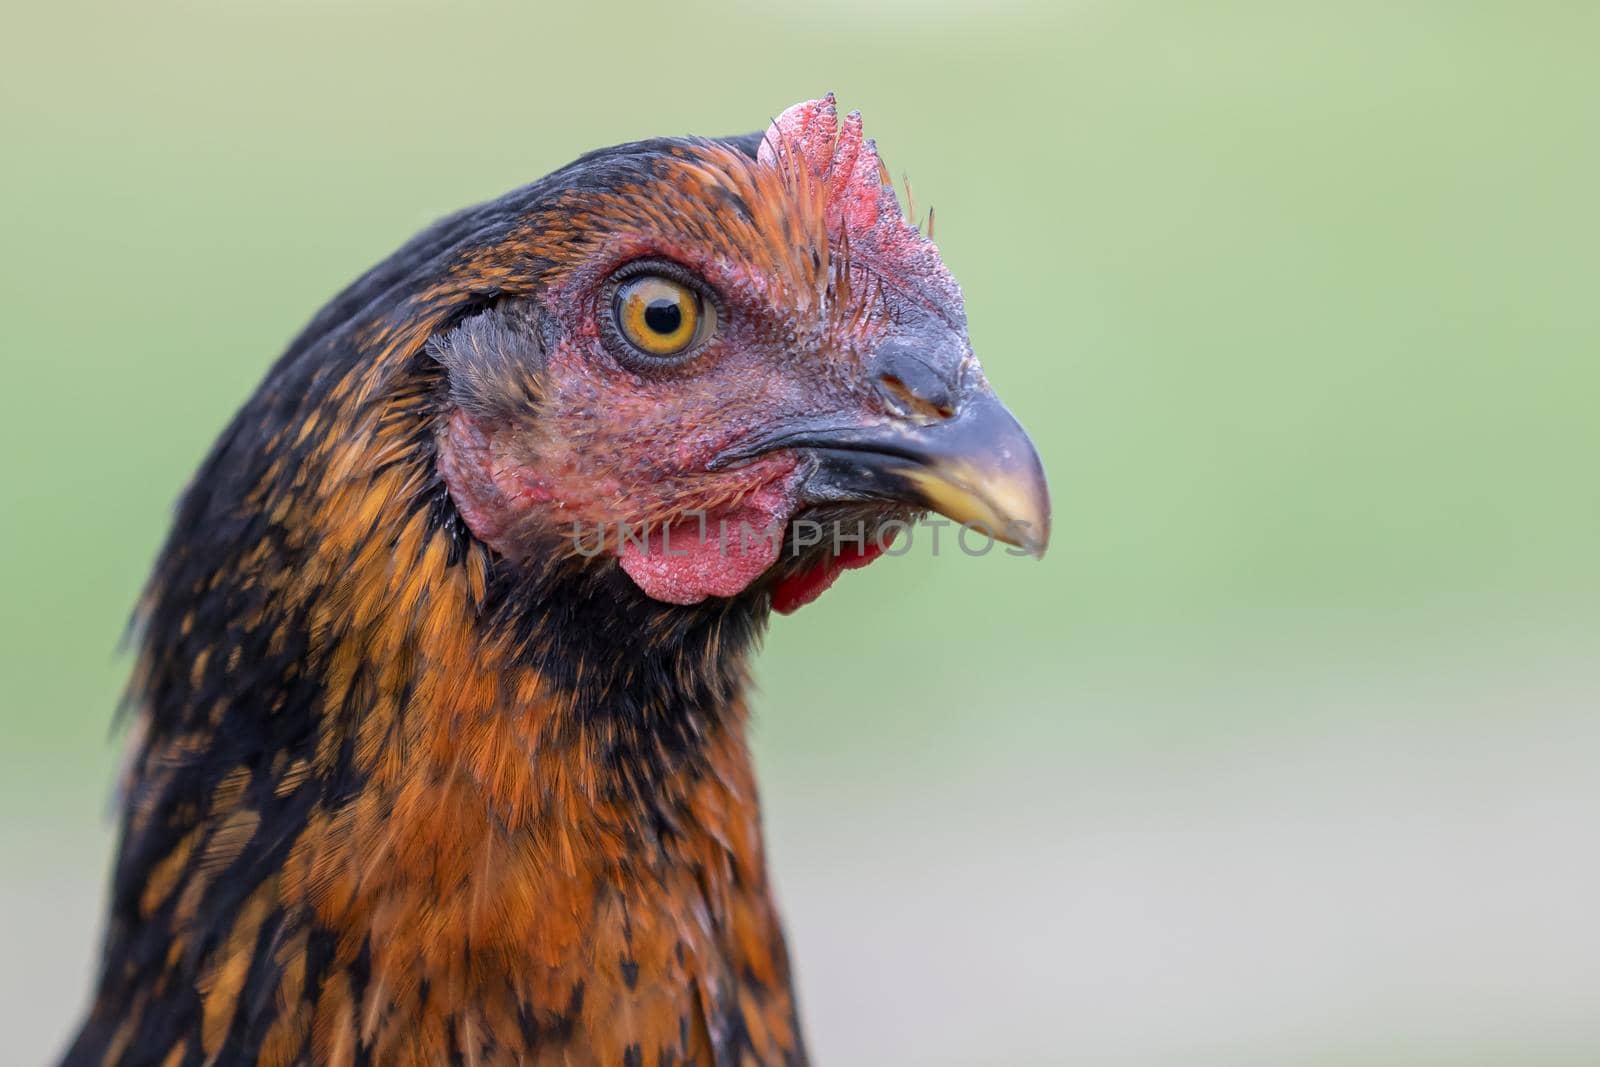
point(976, 467)
point(984, 472)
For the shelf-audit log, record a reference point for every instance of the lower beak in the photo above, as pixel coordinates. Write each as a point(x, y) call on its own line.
point(977, 468)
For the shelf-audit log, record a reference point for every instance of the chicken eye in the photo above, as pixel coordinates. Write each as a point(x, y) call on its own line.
point(658, 315)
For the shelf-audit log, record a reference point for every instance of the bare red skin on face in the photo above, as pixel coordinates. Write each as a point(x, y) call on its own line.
point(716, 552)
point(489, 494)
point(813, 264)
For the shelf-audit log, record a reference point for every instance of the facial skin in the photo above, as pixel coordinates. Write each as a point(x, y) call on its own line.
point(823, 315)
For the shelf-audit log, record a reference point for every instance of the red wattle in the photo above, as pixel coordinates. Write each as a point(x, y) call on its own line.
point(687, 561)
point(797, 590)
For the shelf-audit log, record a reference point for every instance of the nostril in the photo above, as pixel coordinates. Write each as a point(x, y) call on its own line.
point(910, 402)
point(919, 379)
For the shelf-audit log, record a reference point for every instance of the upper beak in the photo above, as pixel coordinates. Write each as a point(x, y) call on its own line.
point(976, 466)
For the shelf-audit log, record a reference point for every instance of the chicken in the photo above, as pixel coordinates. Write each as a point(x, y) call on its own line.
point(438, 752)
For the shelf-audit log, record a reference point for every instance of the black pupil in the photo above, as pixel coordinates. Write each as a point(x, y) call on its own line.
point(663, 315)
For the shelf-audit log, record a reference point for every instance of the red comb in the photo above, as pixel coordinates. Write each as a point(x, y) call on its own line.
point(861, 202)
point(811, 135)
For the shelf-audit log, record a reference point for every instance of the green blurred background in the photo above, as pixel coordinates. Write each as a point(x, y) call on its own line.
point(1285, 755)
